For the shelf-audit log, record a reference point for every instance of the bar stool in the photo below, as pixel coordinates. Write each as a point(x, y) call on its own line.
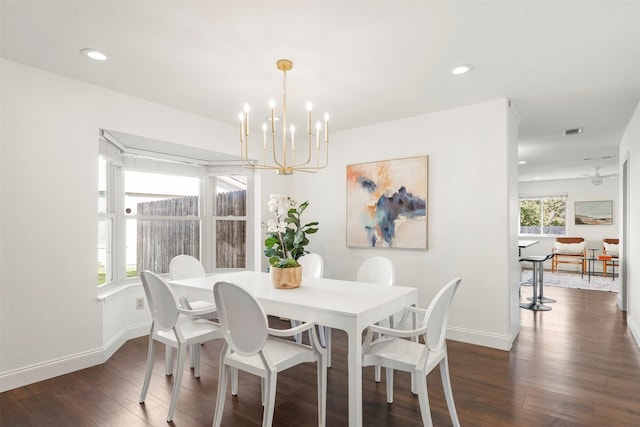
point(538, 299)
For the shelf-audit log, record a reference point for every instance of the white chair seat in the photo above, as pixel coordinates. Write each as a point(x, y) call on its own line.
point(400, 354)
point(192, 331)
point(282, 353)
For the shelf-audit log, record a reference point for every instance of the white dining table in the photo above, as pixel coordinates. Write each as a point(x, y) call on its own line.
point(346, 305)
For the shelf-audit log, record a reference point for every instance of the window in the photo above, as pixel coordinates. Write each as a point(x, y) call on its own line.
point(230, 221)
point(543, 215)
point(106, 215)
point(152, 208)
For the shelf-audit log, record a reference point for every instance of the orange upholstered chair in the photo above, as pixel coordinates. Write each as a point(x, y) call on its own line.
point(569, 250)
point(610, 247)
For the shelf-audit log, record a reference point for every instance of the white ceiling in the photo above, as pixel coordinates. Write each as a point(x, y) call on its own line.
point(563, 64)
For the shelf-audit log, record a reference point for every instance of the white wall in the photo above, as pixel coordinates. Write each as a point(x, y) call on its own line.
point(630, 152)
point(469, 216)
point(577, 190)
point(50, 319)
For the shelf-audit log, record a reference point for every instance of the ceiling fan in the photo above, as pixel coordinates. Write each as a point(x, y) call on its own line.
point(596, 178)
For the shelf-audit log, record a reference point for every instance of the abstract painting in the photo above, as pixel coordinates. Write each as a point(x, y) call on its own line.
point(594, 213)
point(387, 204)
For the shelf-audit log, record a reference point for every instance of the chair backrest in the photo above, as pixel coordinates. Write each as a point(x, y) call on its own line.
point(437, 315)
point(185, 267)
point(610, 246)
point(312, 265)
point(161, 300)
point(243, 321)
point(569, 239)
point(377, 269)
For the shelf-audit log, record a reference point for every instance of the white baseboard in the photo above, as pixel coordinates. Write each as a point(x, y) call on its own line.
point(500, 342)
point(634, 328)
point(71, 363)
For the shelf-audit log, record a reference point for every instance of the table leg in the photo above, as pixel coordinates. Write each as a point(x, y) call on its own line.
point(355, 377)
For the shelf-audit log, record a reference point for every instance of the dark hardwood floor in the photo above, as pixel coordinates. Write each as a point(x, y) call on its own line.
point(576, 365)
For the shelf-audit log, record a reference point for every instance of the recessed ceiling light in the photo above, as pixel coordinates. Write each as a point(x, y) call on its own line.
point(522, 162)
point(536, 178)
point(94, 54)
point(462, 69)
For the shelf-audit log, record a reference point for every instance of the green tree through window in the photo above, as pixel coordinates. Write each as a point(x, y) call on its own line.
point(543, 215)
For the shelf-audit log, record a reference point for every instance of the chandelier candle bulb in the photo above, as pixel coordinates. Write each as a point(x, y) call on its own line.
point(246, 115)
point(293, 142)
point(309, 118)
point(241, 117)
point(326, 127)
point(264, 136)
point(272, 105)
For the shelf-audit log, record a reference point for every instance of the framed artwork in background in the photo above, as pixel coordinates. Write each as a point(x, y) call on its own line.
point(387, 204)
point(594, 212)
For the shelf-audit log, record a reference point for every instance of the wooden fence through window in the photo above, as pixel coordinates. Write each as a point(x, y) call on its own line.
point(159, 240)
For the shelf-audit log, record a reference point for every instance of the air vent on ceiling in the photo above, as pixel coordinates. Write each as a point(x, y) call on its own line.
point(573, 131)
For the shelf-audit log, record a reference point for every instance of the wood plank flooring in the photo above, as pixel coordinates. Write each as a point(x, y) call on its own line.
point(576, 365)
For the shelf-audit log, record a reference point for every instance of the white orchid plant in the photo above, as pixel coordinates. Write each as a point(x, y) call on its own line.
point(286, 236)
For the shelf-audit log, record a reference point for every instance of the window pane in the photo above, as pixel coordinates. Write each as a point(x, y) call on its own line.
point(231, 194)
point(530, 216)
point(142, 188)
point(151, 244)
point(105, 269)
point(230, 244)
point(553, 216)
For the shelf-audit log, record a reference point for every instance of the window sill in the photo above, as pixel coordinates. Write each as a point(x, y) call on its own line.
point(108, 291)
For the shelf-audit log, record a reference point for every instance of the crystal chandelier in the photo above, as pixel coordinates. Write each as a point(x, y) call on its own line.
point(282, 158)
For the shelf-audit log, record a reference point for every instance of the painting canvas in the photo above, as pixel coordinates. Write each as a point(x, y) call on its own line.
point(387, 204)
point(594, 213)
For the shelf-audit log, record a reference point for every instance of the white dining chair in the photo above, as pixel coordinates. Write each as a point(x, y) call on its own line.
point(253, 347)
point(379, 270)
point(390, 348)
point(185, 267)
point(174, 331)
point(312, 266)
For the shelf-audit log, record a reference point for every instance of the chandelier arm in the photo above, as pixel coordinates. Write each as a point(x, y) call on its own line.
point(273, 150)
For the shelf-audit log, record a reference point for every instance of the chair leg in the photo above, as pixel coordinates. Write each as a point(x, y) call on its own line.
point(389, 380)
point(147, 375)
point(322, 336)
point(270, 398)
point(194, 352)
point(322, 390)
point(182, 354)
point(448, 393)
point(222, 391)
point(423, 397)
point(234, 382)
point(377, 373)
point(296, 337)
point(327, 331)
point(168, 360)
